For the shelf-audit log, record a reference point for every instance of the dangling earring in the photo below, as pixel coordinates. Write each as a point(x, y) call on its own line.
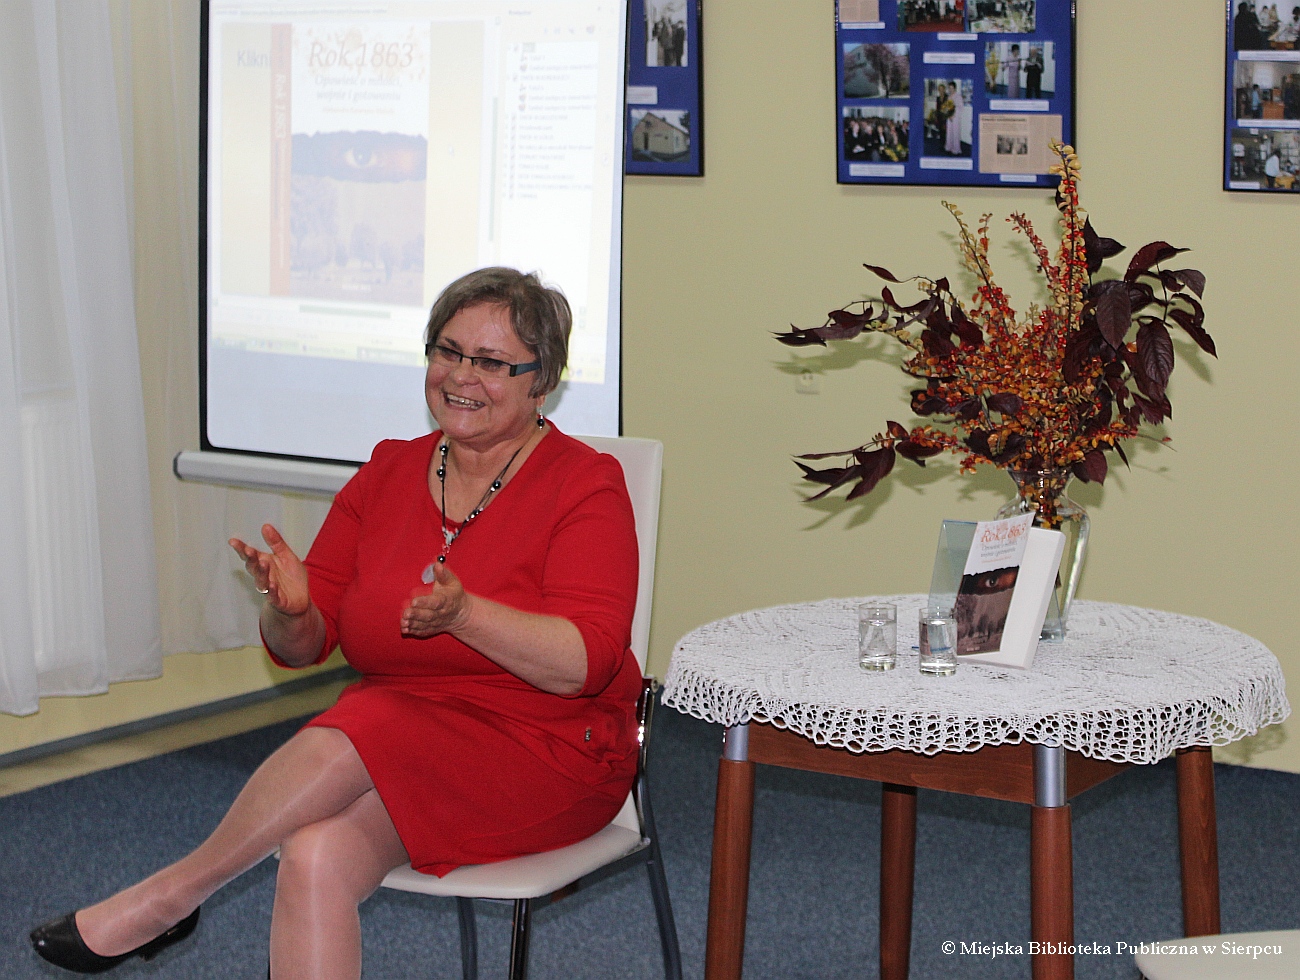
point(541, 422)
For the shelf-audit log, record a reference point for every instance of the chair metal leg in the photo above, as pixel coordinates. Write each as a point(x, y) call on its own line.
point(468, 938)
point(519, 939)
point(659, 889)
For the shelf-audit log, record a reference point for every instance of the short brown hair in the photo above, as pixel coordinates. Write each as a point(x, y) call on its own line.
point(539, 315)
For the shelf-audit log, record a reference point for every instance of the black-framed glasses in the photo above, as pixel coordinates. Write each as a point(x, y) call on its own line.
point(483, 365)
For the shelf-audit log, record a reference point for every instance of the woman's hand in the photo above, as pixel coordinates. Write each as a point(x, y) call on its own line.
point(443, 608)
point(279, 574)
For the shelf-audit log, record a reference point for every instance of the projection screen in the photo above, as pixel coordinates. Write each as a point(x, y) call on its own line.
point(357, 157)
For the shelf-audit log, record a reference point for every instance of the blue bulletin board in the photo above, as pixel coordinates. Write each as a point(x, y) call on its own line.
point(952, 92)
point(1261, 124)
point(665, 117)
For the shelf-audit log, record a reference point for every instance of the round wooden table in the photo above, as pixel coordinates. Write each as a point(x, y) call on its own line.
point(1126, 687)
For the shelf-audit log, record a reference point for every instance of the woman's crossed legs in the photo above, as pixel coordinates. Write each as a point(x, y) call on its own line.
point(313, 799)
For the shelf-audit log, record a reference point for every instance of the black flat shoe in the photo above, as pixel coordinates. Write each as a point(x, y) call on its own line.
point(60, 943)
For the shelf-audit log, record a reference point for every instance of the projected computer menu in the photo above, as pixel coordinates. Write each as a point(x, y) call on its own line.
point(359, 157)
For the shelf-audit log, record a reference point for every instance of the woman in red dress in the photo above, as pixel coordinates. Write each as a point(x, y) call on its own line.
point(483, 580)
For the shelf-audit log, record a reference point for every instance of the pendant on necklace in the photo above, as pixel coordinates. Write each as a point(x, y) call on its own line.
point(426, 576)
point(449, 535)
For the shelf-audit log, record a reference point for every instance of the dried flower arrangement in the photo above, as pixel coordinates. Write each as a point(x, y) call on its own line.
point(1055, 389)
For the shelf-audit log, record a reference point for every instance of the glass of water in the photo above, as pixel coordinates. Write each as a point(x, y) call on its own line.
point(937, 635)
point(877, 635)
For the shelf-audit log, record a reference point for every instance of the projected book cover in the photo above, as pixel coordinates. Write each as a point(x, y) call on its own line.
point(350, 122)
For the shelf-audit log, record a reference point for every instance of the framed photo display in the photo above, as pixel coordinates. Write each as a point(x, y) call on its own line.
point(1261, 120)
point(665, 120)
point(952, 92)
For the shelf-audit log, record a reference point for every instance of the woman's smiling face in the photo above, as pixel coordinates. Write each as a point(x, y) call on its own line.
point(472, 407)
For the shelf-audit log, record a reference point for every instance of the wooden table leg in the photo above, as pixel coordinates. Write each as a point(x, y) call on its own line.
point(897, 870)
point(1051, 890)
point(733, 820)
point(1198, 842)
point(1051, 868)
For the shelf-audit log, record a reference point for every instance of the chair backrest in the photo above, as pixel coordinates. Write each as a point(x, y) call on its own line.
point(643, 463)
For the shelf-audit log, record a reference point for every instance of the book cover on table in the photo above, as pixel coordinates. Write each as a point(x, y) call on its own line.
point(998, 579)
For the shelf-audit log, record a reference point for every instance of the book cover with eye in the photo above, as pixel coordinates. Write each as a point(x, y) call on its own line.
point(350, 118)
point(988, 583)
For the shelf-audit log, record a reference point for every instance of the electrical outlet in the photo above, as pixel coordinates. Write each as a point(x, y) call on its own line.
point(808, 384)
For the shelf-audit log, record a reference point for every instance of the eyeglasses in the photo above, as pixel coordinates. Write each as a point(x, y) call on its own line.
point(491, 366)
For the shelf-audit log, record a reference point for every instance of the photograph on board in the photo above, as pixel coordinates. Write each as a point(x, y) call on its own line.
point(932, 15)
point(1267, 89)
point(948, 117)
point(1003, 16)
point(665, 33)
point(1266, 159)
point(1020, 70)
point(876, 134)
point(877, 71)
point(661, 135)
point(1260, 27)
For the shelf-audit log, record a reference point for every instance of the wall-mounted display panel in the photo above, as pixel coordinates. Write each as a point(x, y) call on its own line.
point(952, 92)
point(665, 105)
point(1261, 126)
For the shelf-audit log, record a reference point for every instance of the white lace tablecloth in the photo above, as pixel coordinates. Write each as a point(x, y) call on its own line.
point(1127, 684)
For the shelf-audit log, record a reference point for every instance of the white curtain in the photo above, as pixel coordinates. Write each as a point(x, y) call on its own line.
point(78, 580)
point(207, 601)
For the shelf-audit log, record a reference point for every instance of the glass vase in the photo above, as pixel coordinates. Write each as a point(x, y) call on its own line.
point(1042, 492)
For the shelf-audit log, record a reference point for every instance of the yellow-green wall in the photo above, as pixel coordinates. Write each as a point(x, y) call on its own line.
point(712, 266)
point(767, 238)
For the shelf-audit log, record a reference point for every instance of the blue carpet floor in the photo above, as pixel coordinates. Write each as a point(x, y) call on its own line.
point(813, 905)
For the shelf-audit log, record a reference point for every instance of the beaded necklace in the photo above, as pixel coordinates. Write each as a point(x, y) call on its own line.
point(448, 535)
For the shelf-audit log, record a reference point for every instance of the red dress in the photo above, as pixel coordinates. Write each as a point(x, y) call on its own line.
point(472, 763)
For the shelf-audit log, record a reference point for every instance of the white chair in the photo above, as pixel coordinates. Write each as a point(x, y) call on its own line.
point(629, 840)
point(1238, 956)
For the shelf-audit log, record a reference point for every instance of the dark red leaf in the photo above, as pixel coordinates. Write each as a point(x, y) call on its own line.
point(1013, 447)
point(937, 320)
point(921, 308)
point(839, 331)
point(833, 478)
point(897, 430)
point(1079, 350)
point(1005, 403)
point(970, 334)
point(1096, 249)
point(968, 410)
point(1188, 322)
point(1092, 468)
point(840, 452)
point(845, 318)
point(1140, 296)
point(978, 442)
point(942, 285)
point(1120, 449)
point(1192, 279)
point(925, 403)
point(937, 345)
point(874, 466)
point(916, 452)
point(1149, 255)
point(1156, 351)
point(883, 273)
point(1114, 314)
point(1153, 411)
point(800, 338)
